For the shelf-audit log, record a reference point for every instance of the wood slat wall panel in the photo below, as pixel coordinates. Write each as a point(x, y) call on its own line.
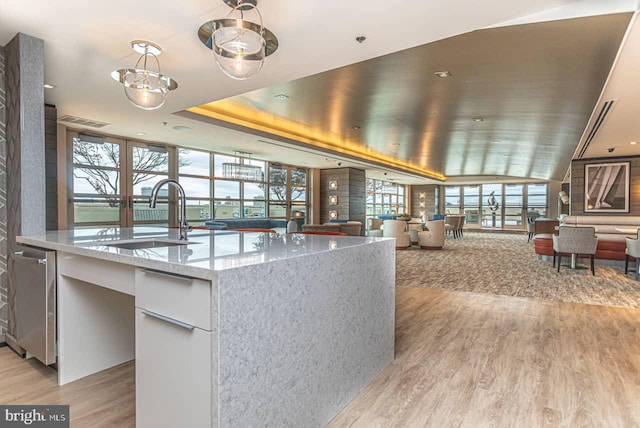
point(351, 194)
point(430, 200)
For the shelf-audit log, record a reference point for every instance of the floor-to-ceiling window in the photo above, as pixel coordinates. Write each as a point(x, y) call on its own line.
point(537, 198)
point(496, 205)
point(452, 200)
point(513, 206)
point(95, 176)
point(471, 203)
point(384, 197)
point(111, 180)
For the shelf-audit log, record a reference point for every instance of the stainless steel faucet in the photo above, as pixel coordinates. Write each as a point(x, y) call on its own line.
point(184, 226)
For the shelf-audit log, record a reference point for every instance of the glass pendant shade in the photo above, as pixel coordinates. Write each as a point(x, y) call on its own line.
point(146, 89)
point(239, 46)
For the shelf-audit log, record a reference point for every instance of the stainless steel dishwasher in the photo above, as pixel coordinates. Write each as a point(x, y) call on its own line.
point(35, 279)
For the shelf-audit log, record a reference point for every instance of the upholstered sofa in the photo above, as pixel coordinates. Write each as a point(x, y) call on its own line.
point(245, 223)
point(611, 241)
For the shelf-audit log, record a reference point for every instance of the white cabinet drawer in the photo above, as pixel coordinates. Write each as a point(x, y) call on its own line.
point(184, 299)
point(173, 374)
point(116, 276)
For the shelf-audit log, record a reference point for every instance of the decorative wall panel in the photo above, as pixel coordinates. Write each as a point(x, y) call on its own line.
point(3, 200)
point(427, 204)
point(351, 193)
point(25, 165)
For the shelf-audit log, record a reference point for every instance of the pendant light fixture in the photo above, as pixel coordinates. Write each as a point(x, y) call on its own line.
point(240, 170)
point(239, 46)
point(146, 89)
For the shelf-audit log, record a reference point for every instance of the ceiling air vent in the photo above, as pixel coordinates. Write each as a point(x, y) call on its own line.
point(604, 111)
point(84, 122)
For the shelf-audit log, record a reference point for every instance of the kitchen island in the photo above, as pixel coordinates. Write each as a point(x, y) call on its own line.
point(232, 329)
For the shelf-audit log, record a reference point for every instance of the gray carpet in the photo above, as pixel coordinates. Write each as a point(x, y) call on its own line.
point(506, 264)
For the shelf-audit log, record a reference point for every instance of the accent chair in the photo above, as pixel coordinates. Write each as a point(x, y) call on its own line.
point(397, 229)
point(575, 240)
point(632, 251)
point(433, 239)
point(375, 225)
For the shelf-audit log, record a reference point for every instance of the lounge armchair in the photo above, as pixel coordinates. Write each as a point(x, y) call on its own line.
point(433, 239)
point(375, 225)
point(396, 229)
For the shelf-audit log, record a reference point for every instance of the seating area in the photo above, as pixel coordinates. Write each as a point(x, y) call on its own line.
point(612, 232)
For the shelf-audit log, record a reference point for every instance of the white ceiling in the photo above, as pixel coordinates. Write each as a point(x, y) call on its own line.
point(85, 41)
point(621, 126)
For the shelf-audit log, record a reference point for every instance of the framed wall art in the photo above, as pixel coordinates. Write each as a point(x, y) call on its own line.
point(606, 187)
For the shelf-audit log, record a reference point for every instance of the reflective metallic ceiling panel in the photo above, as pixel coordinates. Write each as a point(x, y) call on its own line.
point(533, 85)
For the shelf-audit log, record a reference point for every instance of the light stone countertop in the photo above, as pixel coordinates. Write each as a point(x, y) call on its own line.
point(205, 253)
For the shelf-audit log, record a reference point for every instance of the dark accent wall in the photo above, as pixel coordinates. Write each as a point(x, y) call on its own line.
point(51, 165)
point(578, 183)
point(3, 200)
point(429, 200)
point(351, 194)
point(24, 65)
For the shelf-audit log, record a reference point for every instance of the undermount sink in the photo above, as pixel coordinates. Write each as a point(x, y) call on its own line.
point(145, 243)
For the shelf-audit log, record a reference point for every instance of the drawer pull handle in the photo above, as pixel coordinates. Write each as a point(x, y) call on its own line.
point(168, 275)
point(169, 320)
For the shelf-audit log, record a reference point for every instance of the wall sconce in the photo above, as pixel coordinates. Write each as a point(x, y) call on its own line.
point(422, 195)
point(333, 184)
point(422, 204)
point(333, 215)
point(422, 213)
point(333, 200)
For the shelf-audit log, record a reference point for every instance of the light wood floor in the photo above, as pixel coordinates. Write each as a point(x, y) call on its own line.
point(106, 399)
point(462, 359)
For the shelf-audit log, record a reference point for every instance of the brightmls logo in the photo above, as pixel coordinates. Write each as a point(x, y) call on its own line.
point(34, 416)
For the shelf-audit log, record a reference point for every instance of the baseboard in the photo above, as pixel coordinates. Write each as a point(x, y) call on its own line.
point(3, 340)
point(424, 247)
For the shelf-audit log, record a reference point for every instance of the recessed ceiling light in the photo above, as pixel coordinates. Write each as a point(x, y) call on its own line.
point(360, 39)
point(141, 134)
point(282, 96)
point(181, 128)
point(356, 127)
point(478, 119)
point(442, 74)
point(48, 86)
point(633, 143)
